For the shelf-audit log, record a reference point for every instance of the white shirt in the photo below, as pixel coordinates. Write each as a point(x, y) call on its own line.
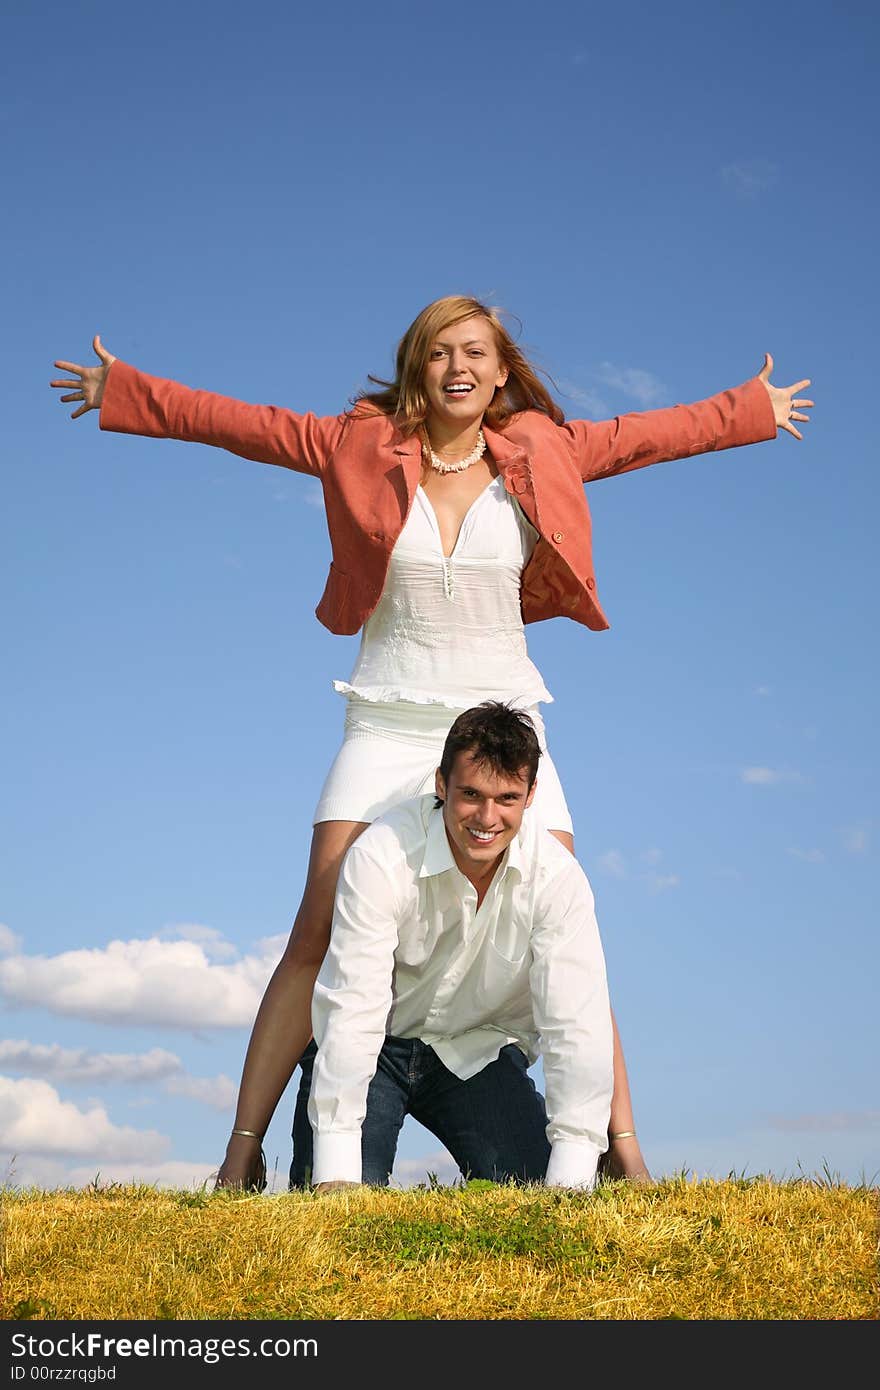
point(448, 630)
point(411, 955)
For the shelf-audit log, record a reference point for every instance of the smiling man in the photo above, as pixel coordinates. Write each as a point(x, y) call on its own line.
point(464, 944)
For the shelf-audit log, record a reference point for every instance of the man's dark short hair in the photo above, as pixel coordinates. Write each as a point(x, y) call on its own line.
point(498, 737)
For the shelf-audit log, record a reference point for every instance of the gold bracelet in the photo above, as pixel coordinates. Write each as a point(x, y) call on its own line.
point(621, 1134)
point(249, 1134)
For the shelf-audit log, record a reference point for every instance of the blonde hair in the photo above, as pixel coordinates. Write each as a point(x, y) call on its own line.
point(404, 398)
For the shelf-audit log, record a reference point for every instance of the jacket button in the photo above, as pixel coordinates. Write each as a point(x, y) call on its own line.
point(591, 583)
point(519, 484)
point(558, 536)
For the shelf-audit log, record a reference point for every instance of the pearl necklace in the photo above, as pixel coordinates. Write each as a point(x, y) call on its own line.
point(459, 467)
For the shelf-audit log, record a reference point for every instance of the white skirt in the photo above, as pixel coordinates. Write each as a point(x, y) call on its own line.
point(391, 752)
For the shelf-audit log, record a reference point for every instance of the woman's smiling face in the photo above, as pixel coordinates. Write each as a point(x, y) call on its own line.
point(462, 374)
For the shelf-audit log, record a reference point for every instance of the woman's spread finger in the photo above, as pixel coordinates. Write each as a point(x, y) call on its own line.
point(74, 396)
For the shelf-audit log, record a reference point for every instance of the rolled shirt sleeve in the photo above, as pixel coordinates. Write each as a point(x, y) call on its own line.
point(572, 1012)
point(350, 1008)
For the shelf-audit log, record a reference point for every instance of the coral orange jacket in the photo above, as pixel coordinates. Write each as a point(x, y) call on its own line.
point(370, 471)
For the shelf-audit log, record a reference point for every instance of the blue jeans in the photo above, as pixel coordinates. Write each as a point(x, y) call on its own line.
point(494, 1124)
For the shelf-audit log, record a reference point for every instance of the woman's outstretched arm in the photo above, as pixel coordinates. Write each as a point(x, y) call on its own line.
point(747, 414)
point(132, 402)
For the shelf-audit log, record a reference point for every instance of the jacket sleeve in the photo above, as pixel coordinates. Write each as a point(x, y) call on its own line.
point(135, 403)
point(743, 415)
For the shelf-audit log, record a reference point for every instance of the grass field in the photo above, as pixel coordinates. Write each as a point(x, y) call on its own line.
point(740, 1249)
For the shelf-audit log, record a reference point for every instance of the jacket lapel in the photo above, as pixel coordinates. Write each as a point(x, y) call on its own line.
point(515, 467)
point(408, 465)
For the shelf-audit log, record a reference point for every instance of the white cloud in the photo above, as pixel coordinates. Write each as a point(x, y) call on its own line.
point(596, 405)
point(660, 883)
point(153, 982)
point(768, 776)
point(409, 1172)
point(762, 690)
point(642, 386)
point(747, 178)
point(177, 1174)
point(35, 1120)
point(809, 856)
point(612, 862)
point(856, 839)
point(308, 491)
point(9, 942)
point(760, 776)
point(635, 383)
point(219, 1092)
point(212, 940)
point(52, 1172)
point(48, 1174)
point(78, 1064)
point(855, 1120)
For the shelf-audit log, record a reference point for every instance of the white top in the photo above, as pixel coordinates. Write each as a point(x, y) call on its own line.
point(449, 630)
point(411, 955)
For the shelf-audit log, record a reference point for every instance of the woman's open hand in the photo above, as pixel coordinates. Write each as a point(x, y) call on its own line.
point(89, 388)
point(782, 398)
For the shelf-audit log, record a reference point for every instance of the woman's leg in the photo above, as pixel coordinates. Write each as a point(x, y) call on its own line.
point(283, 1025)
point(624, 1157)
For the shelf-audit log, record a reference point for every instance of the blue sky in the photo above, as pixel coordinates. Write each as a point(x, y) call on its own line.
point(258, 201)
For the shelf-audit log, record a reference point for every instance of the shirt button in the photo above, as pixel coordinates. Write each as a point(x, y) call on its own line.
point(558, 536)
point(591, 583)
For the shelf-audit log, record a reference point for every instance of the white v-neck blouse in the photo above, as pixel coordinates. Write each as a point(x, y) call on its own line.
point(449, 630)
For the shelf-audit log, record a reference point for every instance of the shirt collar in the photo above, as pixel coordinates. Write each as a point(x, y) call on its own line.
point(438, 857)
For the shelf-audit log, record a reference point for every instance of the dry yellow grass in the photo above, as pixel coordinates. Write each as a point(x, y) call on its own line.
point(750, 1249)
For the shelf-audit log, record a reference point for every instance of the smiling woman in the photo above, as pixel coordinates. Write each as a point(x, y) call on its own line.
point(456, 509)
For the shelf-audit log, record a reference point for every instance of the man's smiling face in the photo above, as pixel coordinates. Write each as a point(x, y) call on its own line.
point(482, 812)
